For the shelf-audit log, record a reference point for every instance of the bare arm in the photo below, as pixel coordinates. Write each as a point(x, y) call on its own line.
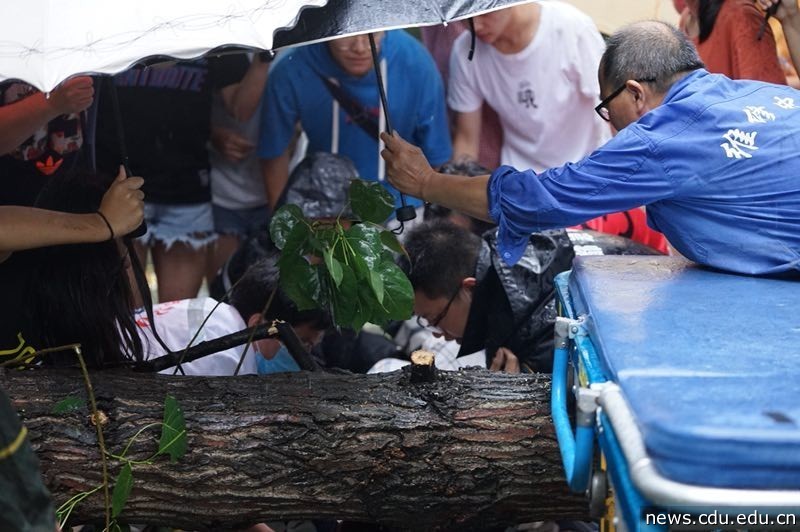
point(466, 135)
point(19, 120)
point(276, 174)
point(409, 171)
point(241, 99)
point(230, 144)
point(28, 227)
point(789, 15)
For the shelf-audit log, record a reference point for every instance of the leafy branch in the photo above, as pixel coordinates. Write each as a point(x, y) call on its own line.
point(172, 442)
point(346, 269)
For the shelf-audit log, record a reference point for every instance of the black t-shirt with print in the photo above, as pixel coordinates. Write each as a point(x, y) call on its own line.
point(15, 336)
point(165, 113)
point(52, 150)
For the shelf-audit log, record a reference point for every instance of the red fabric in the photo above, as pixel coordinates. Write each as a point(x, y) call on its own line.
point(630, 224)
point(733, 48)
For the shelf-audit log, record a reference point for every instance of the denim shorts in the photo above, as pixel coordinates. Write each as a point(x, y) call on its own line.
point(240, 222)
point(191, 224)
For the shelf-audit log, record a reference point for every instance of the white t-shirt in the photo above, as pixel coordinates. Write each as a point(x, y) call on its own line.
point(177, 323)
point(544, 95)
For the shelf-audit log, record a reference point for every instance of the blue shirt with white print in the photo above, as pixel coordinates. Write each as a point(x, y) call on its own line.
point(717, 165)
point(295, 92)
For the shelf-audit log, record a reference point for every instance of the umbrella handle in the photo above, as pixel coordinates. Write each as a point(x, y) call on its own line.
point(142, 229)
point(405, 212)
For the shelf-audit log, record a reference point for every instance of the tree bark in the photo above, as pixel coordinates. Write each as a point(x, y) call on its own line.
point(470, 451)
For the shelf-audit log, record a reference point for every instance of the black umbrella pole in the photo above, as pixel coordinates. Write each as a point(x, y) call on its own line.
point(406, 212)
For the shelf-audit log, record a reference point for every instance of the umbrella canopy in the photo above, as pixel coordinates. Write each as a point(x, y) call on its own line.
point(45, 42)
point(340, 18)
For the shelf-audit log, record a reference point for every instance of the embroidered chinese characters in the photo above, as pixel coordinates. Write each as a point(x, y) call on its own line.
point(758, 114)
point(785, 103)
point(739, 144)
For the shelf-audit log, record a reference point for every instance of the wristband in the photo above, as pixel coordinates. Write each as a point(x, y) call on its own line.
point(110, 230)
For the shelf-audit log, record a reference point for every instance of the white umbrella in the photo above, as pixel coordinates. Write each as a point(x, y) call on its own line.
point(44, 42)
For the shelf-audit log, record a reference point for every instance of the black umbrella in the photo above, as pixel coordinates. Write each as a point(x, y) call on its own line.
point(340, 18)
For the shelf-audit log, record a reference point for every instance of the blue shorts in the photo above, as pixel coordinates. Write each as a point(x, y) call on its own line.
point(191, 224)
point(240, 222)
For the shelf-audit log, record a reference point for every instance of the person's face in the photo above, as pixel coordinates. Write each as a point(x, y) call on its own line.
point(353, 54)
point(621, 105)
point(446, 316)
point(491, 26)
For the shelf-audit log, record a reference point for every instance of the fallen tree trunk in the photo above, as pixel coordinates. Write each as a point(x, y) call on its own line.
point(471, 450)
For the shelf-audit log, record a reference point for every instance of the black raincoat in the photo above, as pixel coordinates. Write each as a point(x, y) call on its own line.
point(512, 306)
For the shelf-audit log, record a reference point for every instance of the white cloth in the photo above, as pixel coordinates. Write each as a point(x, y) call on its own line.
point(412, 337)
point(544, 95)
point(178, 321)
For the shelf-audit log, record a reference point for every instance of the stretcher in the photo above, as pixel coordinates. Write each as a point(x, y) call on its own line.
point(675, 389)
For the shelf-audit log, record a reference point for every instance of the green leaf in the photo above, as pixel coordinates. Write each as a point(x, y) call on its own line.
point(371, 202)
point(296, 240)
point(334, 267)
point(69, 404)
point(376, 283)
point(398, 295)
point(344, 300)
point(366, 243)
point(122, 489)
point(173, 430)
point(322, 237)
point(283, 221)
point(300, 281)
point(389, 240)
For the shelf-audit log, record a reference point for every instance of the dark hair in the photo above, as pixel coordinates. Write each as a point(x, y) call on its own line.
point(440, 255)
point(707, 12)
point(255, 287)
point(83, 295)
point(648, 50)
point(255, 247)
point(466, 167)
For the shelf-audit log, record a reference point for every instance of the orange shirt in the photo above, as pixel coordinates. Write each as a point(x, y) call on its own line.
point(733, 48)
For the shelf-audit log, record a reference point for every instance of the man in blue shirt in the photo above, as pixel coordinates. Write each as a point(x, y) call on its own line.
point(716, 161)
point(301, 88)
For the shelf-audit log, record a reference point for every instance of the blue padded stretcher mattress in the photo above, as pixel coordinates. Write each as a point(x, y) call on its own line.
point(708, 362)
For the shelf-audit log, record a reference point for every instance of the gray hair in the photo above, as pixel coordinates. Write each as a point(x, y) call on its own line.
point(649, 50)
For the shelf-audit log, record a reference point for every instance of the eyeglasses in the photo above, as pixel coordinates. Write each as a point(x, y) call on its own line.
point(433, 325)
point(602, 107)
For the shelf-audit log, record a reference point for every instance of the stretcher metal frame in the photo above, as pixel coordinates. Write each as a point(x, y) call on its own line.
point(603, 414)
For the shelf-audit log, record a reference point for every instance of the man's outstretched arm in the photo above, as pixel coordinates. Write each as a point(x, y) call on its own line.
point(409, 171)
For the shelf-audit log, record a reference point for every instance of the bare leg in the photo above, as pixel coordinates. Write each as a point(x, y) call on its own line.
point(179, 270)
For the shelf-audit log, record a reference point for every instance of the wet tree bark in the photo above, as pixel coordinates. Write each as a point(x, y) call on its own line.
point(470, 451)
